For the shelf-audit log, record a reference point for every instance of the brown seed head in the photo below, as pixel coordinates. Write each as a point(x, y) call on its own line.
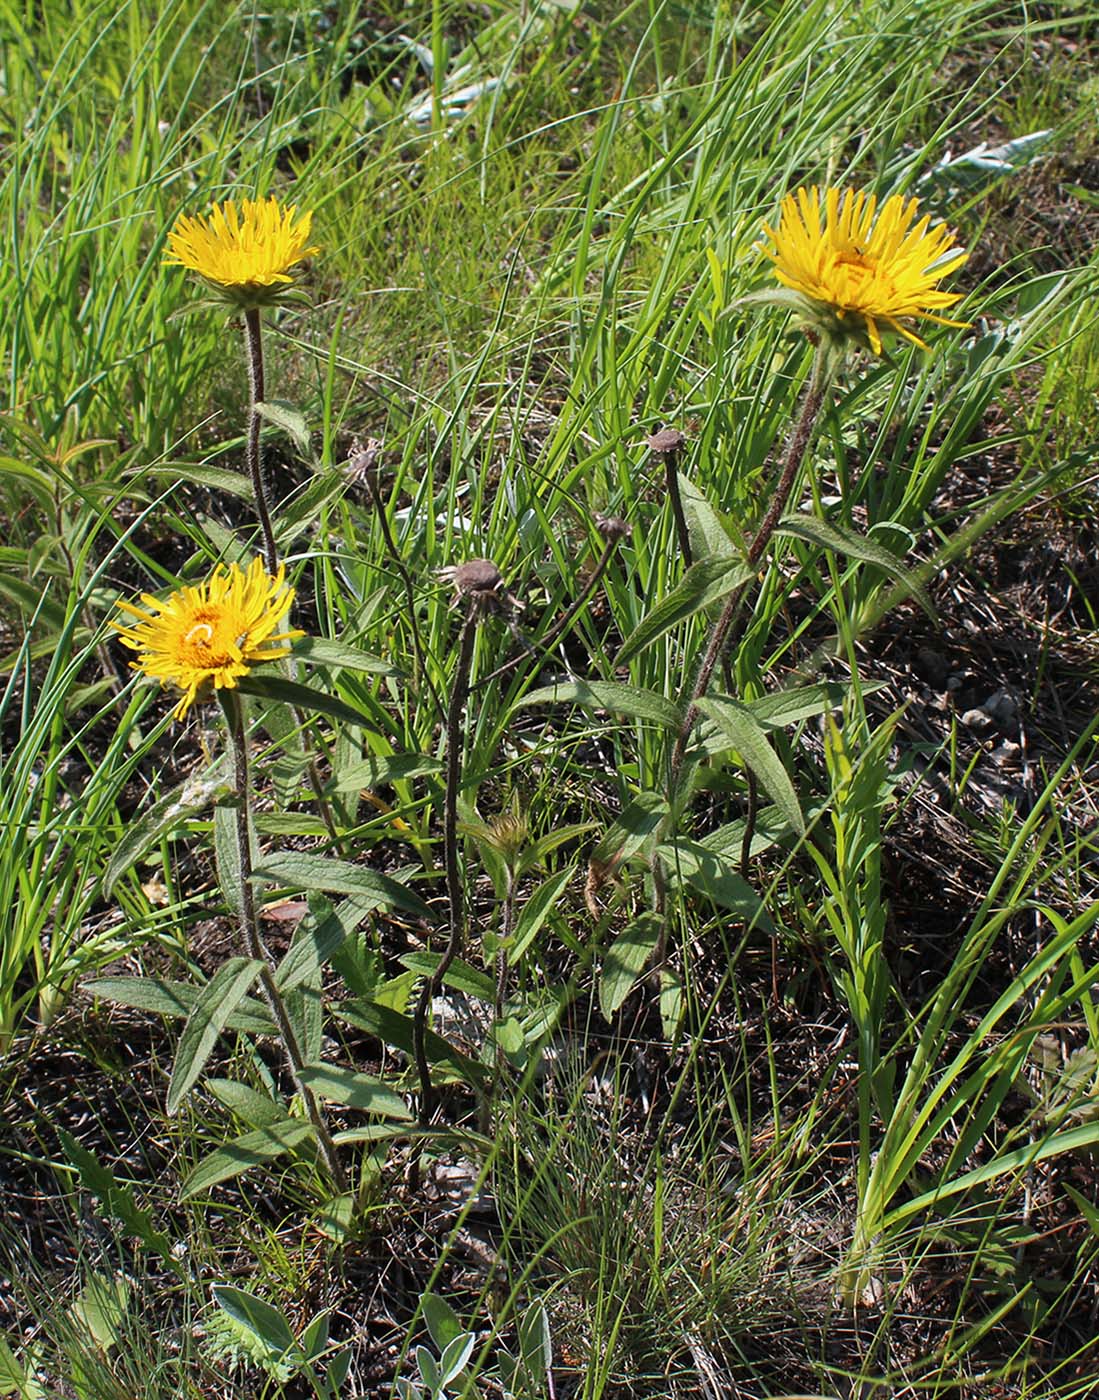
point(478, 576)
point(665, 442)
point(363, 461)
point(612, 527)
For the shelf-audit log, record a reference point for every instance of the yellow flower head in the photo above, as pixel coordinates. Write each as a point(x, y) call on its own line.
point(862, 267)
point(206, 637)
point(245, 251)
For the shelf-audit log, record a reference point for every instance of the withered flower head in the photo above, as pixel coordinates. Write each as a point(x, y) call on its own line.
point(612, 527)
point(666, 441)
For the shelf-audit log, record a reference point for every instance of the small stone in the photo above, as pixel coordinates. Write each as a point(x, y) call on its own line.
point(1001, 706)
point(932, 666)
point(978, 720)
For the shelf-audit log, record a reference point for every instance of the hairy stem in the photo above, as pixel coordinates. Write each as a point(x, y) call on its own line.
point(798, 445)
point(256, 389)
point(454, 889)
point(257, 393)
point(252, 940)
point(800, 439)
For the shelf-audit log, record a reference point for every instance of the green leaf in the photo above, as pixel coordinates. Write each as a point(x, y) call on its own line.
point(624, 960)
point(33, 600)
point(183, 802)
point(385, 769)
point(300, 511)
point(782, 707)
point(704, 584)
point(253, 1149)
point(217, 478)
point(169, 998)
point(443, 1323)
point(535, 912)
point(396, 1030)
point(672, 1003)
point(289, 419)
point(634, 828)
point(260, 1318)
point(748, 738)
point(209, 1017)
point(627, 700)
point(117, 1200)
point(837, 538)
point(227, 856)
point(256, 1109)
point(319, 935)
point(1086, 1208)
point(13, 1379)
point(460, 976)
point(715, 877)
point(455, 1355)
point(710, 536)
point(356, 1090)
point(308, 870)
point(319, 651)
point(271, 687)
point(101, 1308)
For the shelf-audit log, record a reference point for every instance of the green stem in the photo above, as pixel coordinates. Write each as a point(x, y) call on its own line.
point(252, 939)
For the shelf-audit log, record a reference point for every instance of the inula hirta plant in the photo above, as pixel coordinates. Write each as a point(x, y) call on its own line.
point(860, 268)
point(849, 268)
point(203, 638)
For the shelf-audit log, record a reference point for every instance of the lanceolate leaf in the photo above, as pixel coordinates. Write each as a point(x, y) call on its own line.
point(632, 831)
point(356, 1090)
point(745, 735)
point(217, 478)
point(251, 1150)
point(319, 651)
point(260, 1318)
point(396, 1030)
point(209, 1017)
point(535, 912)
point(703, 584)
point(319, 935)
point(625, 958)
point(305, 697)
point(183, 802)
point(710, 537)
point(783, 707)
point(471, 981)
point(716, 877)
point(628, 700)
point(383, 770)
point(170, 998)
point(308, 870)
point(839, 540)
